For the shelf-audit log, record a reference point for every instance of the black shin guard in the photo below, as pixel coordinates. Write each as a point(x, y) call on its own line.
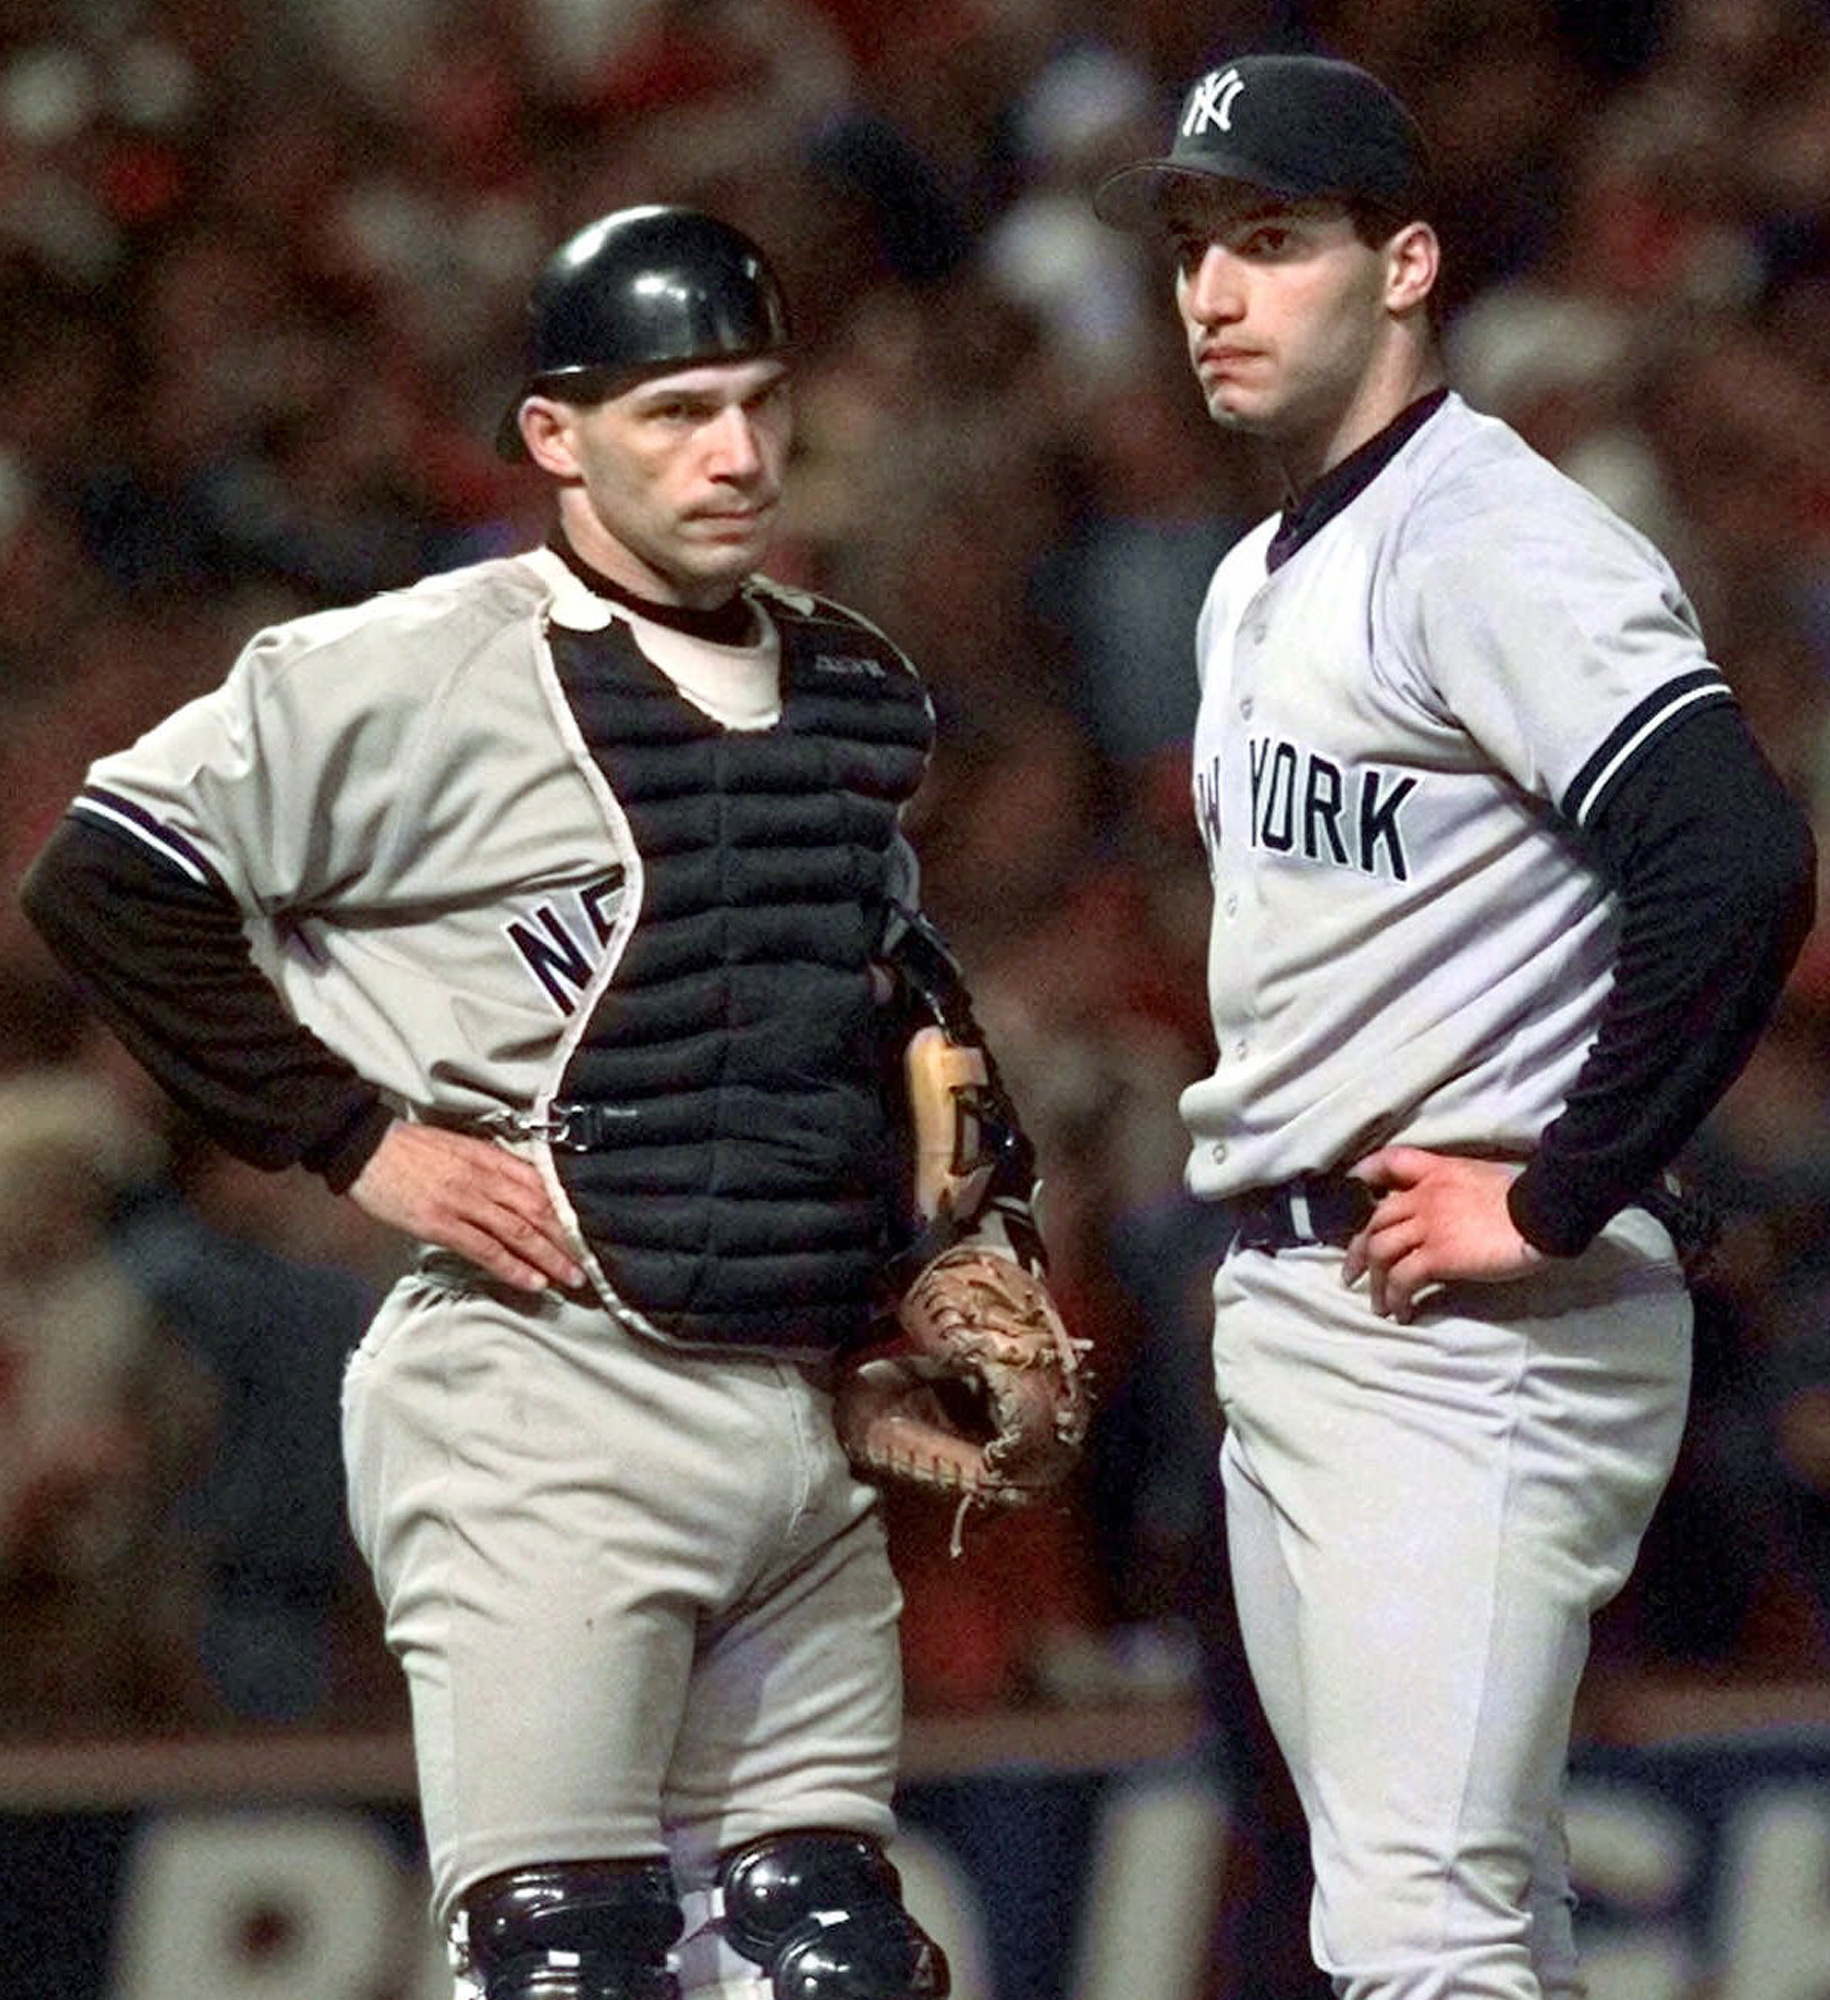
point(574, 1930)
point(822, 1913)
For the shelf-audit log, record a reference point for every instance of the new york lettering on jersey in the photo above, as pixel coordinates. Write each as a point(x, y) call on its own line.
point(1311, 806)
point(561, 942)
point(1307, 804)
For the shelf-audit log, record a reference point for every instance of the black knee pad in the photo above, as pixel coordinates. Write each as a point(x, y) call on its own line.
point(574, 1930)
point(822, 1913)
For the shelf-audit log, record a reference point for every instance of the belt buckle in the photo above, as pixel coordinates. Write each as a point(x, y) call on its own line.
point(579, 1128)
point(1259, 1225)
point(561, 1127)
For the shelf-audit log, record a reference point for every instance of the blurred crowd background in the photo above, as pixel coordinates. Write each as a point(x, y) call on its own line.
point(262, 266)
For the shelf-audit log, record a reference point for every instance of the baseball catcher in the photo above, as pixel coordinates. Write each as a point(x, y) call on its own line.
point(981, 1393)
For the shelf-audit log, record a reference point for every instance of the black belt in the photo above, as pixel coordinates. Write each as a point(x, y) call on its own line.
point(1330, 1208)
point(1312, 1208)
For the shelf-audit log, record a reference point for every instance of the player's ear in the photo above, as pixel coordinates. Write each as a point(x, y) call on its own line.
point(546, 431)
point(1413, 258)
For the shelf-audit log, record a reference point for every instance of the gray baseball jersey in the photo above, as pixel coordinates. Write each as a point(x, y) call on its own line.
point(1389, 722)
point(449, 940)
point(473, 926)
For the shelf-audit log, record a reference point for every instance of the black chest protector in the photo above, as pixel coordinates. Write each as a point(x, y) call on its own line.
point(736, 1172)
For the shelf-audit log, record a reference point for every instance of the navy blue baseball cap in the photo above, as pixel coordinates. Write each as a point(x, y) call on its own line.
point(1299, 127)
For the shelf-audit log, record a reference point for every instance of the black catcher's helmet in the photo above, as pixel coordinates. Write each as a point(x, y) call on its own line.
point(637, 292)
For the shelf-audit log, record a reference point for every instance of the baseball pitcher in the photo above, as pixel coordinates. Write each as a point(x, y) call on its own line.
point(1503, 892)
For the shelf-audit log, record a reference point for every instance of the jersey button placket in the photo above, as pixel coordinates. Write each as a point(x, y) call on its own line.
point(1230, 888)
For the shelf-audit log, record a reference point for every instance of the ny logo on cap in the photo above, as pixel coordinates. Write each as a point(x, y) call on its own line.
point(1211, 103)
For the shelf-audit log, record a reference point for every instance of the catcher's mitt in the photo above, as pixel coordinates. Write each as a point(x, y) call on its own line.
point(986, 1399)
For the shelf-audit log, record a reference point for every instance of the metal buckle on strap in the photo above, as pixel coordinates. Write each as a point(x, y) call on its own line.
point(565, 1128)
point(573, 1128)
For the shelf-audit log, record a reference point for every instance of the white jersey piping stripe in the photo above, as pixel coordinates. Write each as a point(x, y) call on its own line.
point(1631, 730)
point(1714, 689)
point(628, 913)
point(148, 833)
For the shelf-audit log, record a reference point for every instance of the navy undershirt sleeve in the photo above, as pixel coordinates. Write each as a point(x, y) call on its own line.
point(165, 962)
point(1715, 870)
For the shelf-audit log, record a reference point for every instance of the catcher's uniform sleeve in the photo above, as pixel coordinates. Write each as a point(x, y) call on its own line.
point(164, 961)
point(273, 793)
point(288, 786)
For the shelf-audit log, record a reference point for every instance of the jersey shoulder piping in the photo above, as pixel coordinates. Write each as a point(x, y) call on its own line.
point(1640, 727)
